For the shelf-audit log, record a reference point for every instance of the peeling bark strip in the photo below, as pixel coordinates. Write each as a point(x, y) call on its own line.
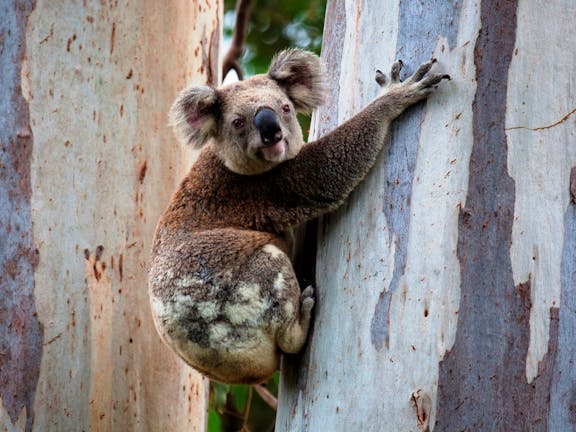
point(21, 333)
point(413, 47)
point(490, 392)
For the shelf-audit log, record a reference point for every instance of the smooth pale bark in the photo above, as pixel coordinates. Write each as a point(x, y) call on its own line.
point(446, 284)
point(87, 163)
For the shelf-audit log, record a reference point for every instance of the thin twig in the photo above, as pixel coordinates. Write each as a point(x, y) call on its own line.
point(266, 396)
point(247, 411)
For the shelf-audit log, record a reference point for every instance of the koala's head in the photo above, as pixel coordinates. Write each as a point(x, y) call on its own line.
point(253, 123)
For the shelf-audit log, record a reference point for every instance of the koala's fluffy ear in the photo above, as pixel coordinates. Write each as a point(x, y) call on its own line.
point(194, 115)
point(300, 74)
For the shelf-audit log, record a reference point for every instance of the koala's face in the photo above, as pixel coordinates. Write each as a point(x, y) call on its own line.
point(253, 122)
point(258, 127)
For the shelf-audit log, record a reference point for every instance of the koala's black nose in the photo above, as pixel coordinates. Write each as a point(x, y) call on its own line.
point(267, 124)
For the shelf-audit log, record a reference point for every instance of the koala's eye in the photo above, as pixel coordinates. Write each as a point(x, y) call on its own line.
point(286, 108)
point(238, 123)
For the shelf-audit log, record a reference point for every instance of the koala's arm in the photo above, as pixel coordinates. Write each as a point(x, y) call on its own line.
point(325, 171)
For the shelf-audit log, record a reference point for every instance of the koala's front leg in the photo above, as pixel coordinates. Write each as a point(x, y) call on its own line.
point(327, 170)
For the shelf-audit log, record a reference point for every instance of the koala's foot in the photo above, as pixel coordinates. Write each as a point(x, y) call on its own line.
point(292, 337)
point(306, 305)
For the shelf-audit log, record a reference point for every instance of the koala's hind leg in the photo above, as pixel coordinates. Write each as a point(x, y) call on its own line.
point(292, 335)
point(288, 317)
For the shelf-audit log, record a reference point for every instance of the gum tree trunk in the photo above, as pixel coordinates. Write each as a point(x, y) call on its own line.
point(447, 284)
point(87, 163)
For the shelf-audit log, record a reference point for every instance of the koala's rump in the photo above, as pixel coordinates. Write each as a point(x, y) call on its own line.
point(218, 298)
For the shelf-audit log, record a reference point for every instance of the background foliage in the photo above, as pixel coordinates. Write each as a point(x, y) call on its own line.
point(277, 25)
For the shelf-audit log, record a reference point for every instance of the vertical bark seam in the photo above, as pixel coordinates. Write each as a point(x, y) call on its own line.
point(21, 333)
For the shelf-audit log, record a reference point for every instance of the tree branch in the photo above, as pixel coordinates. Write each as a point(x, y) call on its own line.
point(266, 396)
point(232, 57)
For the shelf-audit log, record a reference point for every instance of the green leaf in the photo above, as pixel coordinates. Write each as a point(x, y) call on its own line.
point(214, 422)
point(218, 392)
point(240, 395)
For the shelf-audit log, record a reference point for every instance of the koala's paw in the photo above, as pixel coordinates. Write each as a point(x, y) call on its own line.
point(417, 86)
point(307, 301)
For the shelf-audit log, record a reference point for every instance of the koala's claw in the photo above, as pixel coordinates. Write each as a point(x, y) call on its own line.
point(380, 78)
point(433, 80)
point(422, 70)
point(307, 299)
point(395, 72)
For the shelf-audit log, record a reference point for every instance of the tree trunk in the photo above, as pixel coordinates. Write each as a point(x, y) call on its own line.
point(87, 163)
point(447, 283)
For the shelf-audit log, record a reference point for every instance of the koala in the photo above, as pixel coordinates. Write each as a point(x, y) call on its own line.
point(223, 292)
